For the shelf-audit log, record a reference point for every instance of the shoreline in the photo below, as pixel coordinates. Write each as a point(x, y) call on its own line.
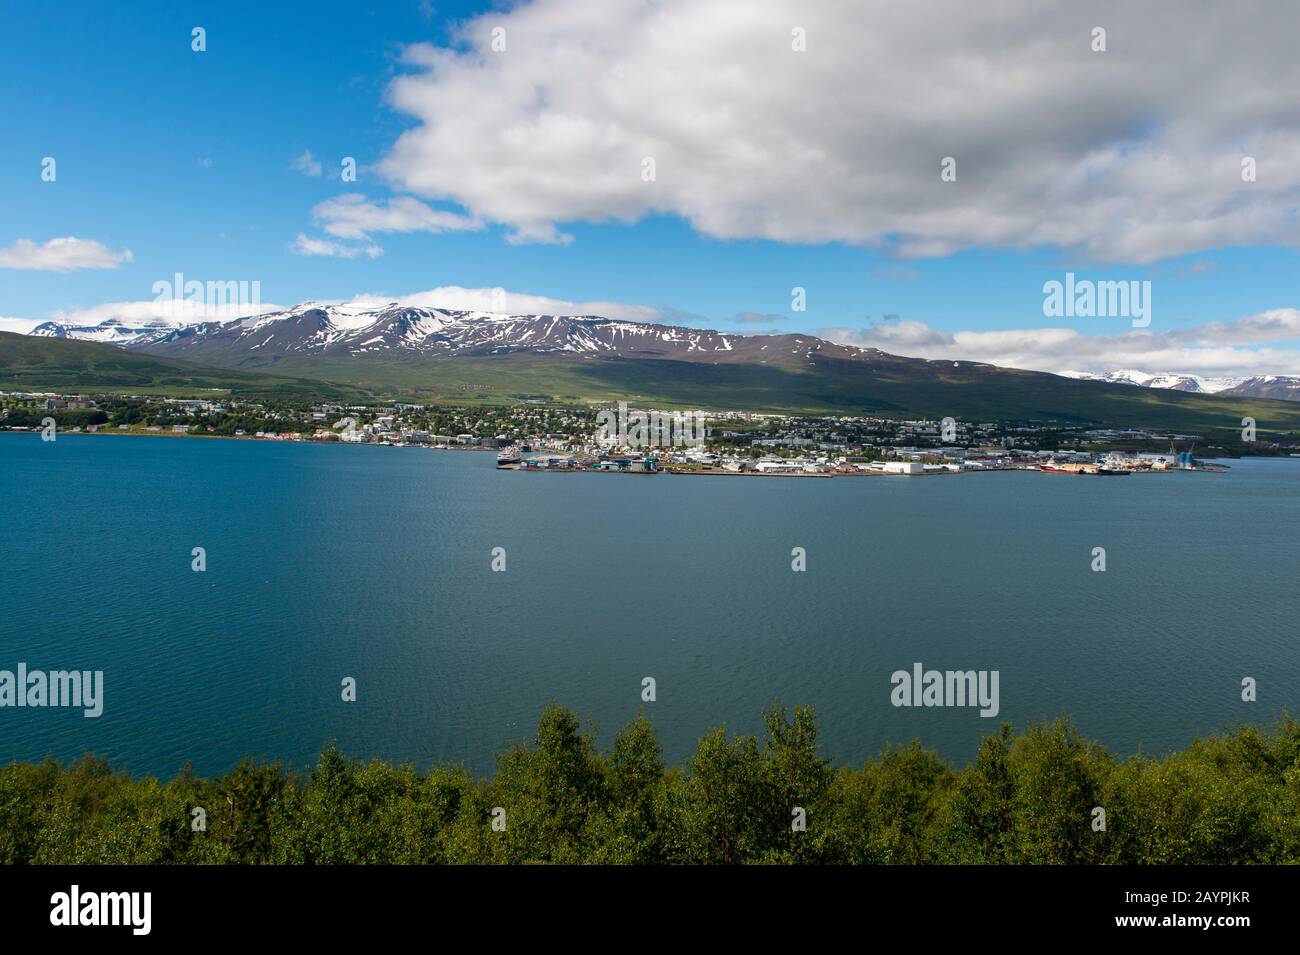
point(580, 470)
point(238, 437)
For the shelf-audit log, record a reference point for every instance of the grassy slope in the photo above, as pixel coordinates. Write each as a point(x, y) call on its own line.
point(888, 389)
point(53, 364)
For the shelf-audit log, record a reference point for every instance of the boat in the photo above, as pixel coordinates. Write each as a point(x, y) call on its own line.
point(1070, 468)
point(1114, 465)
point(508, 457)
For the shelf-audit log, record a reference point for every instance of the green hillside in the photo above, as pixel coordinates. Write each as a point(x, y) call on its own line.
point(887, 386)
point(892, 388)
point(62, 365)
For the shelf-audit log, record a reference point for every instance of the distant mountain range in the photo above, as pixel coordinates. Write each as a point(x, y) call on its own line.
point(442, 353)
point(335, 330)
point(1280, 387)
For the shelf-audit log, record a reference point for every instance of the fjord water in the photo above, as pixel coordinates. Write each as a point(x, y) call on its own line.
point(325, 562)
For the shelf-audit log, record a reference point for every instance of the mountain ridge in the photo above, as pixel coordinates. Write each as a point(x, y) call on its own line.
point(332, 328)
point(340, 329)
point(1279, 387)
point(439, 353)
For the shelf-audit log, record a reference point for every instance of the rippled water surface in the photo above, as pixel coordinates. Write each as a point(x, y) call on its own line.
point(327, 561)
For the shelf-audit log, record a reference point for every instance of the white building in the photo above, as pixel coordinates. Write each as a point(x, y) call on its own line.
point(779, 467)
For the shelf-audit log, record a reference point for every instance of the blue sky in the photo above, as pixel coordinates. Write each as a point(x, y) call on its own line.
point(185, 159)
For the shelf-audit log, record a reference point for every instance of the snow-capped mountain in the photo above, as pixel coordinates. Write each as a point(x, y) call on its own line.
point(1282, 387)
point(112, 332)
point(1128, 376)
point(314, 328)
point(378, 333)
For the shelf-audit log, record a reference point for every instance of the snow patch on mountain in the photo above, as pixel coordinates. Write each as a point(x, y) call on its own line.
point(1128, 376)
point(111, 332)
point(365, 327)
point(370, 330)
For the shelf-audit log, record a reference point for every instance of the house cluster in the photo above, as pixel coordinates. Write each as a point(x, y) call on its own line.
point(1130, 436)
point(385, 430)
point(904, 461)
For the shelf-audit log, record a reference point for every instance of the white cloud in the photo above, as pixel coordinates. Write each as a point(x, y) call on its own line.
point(306, 165)
point(1132, 155)
point(181, 312)
point(353, 216)
point(66, 254)
point(453, 297)
point(1216, 348)
point(458, 298)
point(307, 245)
point(20, 326)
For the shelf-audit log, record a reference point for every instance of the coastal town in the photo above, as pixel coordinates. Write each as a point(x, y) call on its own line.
point(903, 461)
point(538, 436)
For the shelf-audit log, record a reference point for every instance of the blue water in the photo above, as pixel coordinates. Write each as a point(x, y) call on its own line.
point(325, 562)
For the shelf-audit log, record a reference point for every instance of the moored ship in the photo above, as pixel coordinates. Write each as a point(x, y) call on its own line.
point(508, 457)
point(1115, 466)
point(1052, 467)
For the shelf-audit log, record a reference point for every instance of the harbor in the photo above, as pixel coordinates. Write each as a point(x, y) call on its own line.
point(711, 464)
